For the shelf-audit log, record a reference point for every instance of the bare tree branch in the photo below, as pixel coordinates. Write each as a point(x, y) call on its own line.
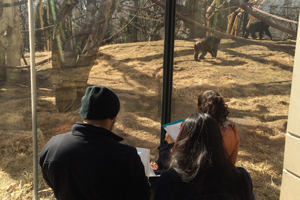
point(274, 16)
point(152, 19)
point(225, 35)
point(120, 29)
point(136, 8)
point(39, 29)
point(27, 66)
point(258, 16)
point(81, 16)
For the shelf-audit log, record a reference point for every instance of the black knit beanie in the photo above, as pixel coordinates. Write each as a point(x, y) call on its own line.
point(99, 102)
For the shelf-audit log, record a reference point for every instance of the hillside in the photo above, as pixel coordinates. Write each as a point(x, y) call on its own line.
point(255, 82)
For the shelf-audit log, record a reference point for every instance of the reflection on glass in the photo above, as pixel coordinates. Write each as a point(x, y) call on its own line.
point(254, 76)
point(119, 44)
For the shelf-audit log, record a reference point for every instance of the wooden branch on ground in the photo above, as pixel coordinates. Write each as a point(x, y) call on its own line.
point(258, 16)
point(225, 35)
point(274, 16)
point(27, 66)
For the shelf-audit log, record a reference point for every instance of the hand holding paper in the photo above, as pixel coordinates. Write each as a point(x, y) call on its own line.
point(154, 165)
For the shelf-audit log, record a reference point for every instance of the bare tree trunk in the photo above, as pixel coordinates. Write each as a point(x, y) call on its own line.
point(65, 89)
point(72, 66)
point(11, 39)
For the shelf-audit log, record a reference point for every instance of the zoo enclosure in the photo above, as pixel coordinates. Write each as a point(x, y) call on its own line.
point(66, 66)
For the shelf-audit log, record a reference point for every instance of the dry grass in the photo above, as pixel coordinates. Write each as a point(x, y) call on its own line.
point(254, 80)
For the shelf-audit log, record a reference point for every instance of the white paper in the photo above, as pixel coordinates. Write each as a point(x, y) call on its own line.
point(145, 158)
point(173, 128)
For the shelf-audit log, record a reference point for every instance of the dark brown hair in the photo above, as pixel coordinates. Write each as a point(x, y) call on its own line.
point(200, 159)
point(212, 103)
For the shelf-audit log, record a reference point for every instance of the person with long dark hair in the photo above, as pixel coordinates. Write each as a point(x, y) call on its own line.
point(212, 103)
point(200, 167)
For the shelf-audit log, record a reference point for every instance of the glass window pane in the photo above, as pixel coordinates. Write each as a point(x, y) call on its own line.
point(120, 44)
point(254, 79)
point(78, 44)
point(15, 120)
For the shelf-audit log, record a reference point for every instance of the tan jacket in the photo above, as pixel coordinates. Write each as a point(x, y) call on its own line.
point(231, 140)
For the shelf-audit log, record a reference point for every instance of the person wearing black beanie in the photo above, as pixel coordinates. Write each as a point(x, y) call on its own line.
point(99, 102)
point(89, 162)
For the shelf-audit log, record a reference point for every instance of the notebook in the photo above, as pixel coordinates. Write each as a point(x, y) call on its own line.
point(145, 158)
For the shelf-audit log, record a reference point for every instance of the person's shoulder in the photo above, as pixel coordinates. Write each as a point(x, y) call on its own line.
point(126, 154)
point(166, 146)
point(57, 140)
point(55, 143)
point(59, 137)
point(166, 177)
point(246, 178)
point(244, 172)
point(166, 180)
point(125, 146)
point(231, 128)
point(164, 187)
point(125, 149)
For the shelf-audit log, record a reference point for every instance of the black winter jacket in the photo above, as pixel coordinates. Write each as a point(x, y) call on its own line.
point(89, 163)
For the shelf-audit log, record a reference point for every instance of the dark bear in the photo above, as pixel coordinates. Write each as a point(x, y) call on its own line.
point(260, 27)
point(209, 44)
